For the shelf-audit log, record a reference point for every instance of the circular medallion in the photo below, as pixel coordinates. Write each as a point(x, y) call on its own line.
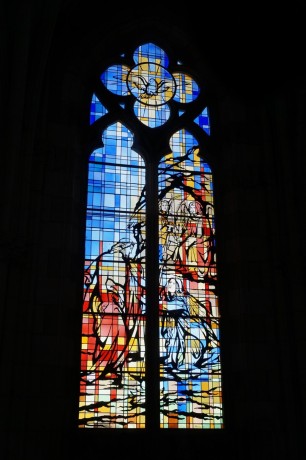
point(151, 84)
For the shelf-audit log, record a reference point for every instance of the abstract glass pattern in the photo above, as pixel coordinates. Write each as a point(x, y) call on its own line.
point(190, 374)
point(113, 360)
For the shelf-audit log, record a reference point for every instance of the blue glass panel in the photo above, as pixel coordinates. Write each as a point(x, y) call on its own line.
point(203, 121)
point(97, 109)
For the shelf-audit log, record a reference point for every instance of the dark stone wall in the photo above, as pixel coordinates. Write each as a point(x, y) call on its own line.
point(256, 88)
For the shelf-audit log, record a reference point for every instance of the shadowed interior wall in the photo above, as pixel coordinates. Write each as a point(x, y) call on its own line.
point(50, 53)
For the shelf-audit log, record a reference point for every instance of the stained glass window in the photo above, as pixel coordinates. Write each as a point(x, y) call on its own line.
point(143, 181)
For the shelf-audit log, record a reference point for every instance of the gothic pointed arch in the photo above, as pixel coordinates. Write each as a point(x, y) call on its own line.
point(151, 318)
